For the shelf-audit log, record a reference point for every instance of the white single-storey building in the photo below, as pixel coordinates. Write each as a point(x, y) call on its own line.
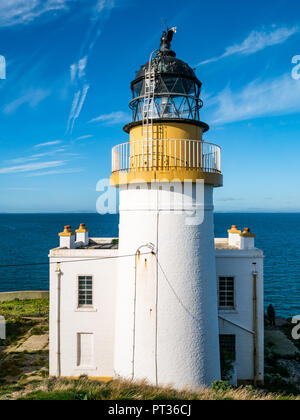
point(83, 291)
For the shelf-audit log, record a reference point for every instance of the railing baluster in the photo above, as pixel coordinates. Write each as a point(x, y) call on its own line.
point(192, 154)
point(180, 157)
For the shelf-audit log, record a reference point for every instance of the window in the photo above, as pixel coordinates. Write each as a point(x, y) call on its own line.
point(226, 293)
point(85, 291)
point(228, 347)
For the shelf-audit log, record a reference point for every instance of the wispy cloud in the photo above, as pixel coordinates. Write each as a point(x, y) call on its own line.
point(35, 157)
point(77, 106)
point(104, 4)
point(118, 117)
point(32, 98)
point(87, 136)
point(47, 144)
point(31, 167)
point(20, 12)
point(279, 96)
point(99, 14)
point(257, 41)
point(20, 189)
point(78, 69)
point(56, 172)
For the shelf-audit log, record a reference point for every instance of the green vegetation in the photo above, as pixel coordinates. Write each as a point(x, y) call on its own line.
point(23, 320)
point(84, 389)
point(25, 308)
point(22, 317)
point(24, 374)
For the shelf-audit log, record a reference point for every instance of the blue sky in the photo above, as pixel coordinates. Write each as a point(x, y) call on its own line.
point(65, 98)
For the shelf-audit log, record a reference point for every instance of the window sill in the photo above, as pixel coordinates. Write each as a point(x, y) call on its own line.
point(228, 311)
point(86, 310)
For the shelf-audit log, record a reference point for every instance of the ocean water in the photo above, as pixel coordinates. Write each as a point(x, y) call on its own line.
point(27, 238)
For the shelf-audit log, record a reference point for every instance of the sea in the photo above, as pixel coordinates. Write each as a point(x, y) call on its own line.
point(27, 238)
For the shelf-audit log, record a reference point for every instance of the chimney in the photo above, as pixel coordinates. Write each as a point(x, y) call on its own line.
point(67, 238)
point(234, 238)
point(247, 239)
point(82, 235)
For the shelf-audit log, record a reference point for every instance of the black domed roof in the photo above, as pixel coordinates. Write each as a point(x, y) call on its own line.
point(165, 62)
point(168, 64)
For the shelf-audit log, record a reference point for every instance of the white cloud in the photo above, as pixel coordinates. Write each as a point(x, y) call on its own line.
point(56, 172)
point(31, 167)
point(257, 41)
point(20, 189)
point(81, 102)
point(104, 4)
point(78, 69)
point(279, 96)
point(32, 98)
point(35, 157)
point(77, 105)
point(118, 117)
point(22, 12)
point(47, 144)
point(99, 14)
point(16, 12)
point(88, 136)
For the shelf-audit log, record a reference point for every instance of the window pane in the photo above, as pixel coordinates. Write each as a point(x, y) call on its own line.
point(226, 292)
point(85, 291)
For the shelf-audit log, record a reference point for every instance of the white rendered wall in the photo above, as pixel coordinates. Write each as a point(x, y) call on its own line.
point(99, 320)
point(239, 264)
point(187, 324)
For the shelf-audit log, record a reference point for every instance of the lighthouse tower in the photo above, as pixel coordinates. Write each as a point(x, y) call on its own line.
point(167, 316)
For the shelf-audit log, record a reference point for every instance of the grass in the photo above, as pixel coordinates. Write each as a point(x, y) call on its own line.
point(26, 308)
point(25, 375)
point(23, 316)
point(84, 389)
point(23, 319)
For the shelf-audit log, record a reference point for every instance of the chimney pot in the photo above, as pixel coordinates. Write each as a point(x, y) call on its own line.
point(82, 235)
point(67, 238)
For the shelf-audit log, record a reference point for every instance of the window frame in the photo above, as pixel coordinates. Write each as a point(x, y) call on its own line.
point(86, 306)
point(231, 307)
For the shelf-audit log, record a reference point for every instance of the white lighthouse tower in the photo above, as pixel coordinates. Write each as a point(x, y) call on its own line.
point(167, 316)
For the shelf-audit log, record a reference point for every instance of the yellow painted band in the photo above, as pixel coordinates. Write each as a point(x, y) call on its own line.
point(247, 235)
point(167, 131)
point(172, 175)
point(234, 231)
point(91, 378)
